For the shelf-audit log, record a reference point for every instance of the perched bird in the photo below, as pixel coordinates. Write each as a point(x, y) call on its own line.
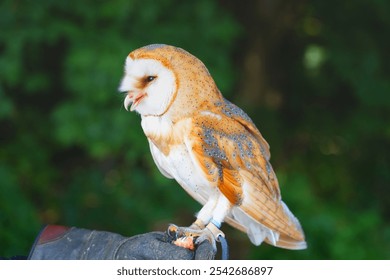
point(209, 146)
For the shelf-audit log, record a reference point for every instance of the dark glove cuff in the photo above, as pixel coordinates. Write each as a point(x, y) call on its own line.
point(59, 243)
point(64, 243)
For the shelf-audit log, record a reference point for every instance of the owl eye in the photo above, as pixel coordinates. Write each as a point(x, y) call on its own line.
point(150, 78)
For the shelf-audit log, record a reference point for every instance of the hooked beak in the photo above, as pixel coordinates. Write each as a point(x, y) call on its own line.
point(133, 99)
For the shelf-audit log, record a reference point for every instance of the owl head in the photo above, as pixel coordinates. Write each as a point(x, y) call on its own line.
point(166, 80)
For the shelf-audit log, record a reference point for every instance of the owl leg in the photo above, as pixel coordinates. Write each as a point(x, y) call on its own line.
point(212, 231)
point(214, 214)
point(205, 214)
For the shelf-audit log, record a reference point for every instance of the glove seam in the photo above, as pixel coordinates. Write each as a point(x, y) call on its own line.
point(84, 251)
point(120, 246)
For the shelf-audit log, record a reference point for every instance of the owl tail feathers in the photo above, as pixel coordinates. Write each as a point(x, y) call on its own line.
point(259, 233)
point(287, 242)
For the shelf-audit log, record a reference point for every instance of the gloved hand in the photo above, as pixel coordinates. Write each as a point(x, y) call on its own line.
point(63, 243)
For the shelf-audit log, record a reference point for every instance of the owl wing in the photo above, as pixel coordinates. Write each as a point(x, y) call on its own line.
point(235, 158)
point(237, 114)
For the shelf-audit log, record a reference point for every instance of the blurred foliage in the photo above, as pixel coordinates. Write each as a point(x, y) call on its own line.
point(70, 154)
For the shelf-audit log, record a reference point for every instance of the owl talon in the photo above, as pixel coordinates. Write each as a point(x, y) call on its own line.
point(183, 236)
point(182, 232)
point(189, 238)
point(172, 231)
point(212, 234)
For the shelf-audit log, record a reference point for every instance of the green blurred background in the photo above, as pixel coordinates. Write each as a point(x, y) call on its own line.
point(313, 75)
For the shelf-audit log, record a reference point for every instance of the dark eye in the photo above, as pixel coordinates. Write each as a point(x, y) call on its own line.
point(150, 78)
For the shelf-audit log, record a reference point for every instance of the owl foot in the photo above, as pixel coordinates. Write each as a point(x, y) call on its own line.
point(190, 237)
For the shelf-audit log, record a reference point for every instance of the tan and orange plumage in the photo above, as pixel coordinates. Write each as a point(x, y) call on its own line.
point(208, 145)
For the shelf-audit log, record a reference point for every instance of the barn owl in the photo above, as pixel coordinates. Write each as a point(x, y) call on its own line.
point(209, 146)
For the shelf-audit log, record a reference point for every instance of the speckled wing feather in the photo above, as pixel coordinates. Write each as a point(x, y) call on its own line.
point(235, 158)
point(229, 109)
